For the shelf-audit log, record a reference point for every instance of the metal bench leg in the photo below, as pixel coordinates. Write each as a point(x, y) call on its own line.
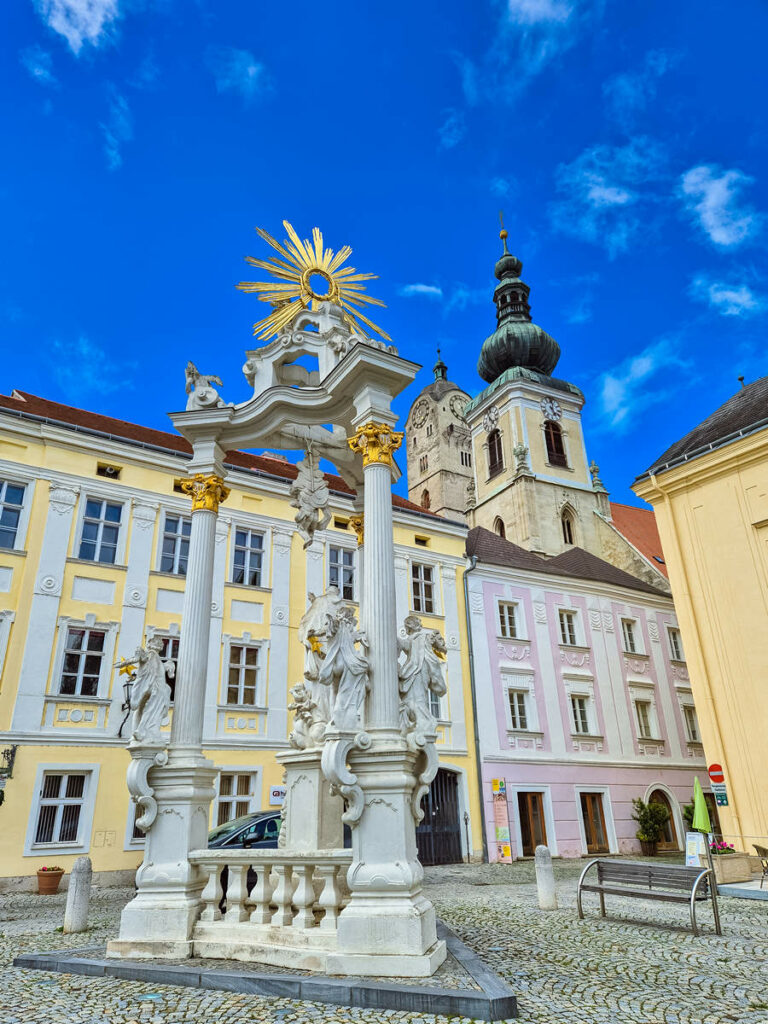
point(693, 911)
point(602, 905)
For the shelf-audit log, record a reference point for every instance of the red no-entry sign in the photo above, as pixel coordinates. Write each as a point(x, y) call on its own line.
point(716, 773)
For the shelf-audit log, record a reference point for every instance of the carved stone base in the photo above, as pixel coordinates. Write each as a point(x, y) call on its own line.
point(388, 966)
point(312, 814)
point(160, 919)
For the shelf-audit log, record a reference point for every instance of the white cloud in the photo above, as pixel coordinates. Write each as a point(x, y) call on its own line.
point(607, 193)
point(502, 186)
point(428, 291)
point(83, 368)
point(712, 198)
point(627, 94)
point(453, 129)
point(80, 21)
point(534, 12)
point(237, 71)
point(461, 296)
point(39, 64)
point(639, 382)
point(117, 129)
point(725, 297)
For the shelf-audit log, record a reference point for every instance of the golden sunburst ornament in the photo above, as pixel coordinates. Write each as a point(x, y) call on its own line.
point(304, 265)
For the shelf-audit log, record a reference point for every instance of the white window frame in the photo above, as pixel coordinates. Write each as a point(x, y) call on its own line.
point(174, 514)
point(640, 724)
point(513, 681)
point(502, 619)
point(635, 633)
point(107, 661)
point(85, 825)
point(685, 707)
point(336, 545)
point(514, 814)
point(101, 522)
point(250, 530)
point(245, 640)
point(24, 509)
point(255, 797)
point(588, 714)
point(672, 653)
point(114, 497)
point(576, 618)
point(436, 605)
point(645, 692)
point(610, 825)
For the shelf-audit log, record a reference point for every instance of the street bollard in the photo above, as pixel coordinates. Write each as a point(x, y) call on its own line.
point(545, 879)
point(78, 896)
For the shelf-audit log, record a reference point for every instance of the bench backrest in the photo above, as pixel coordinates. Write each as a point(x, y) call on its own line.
point(652, 876)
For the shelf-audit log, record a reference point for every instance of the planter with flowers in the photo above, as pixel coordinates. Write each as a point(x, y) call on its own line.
point(48, 880)
point(729, 865)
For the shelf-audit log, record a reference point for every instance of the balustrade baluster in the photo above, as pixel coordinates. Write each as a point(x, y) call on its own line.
point(330, 895)
point(304, 896)
point(212, 893)
point(283, 895)
point(261, 894)
point(237, 892)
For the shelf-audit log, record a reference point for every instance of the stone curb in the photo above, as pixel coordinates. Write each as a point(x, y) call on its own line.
point(494, 1001)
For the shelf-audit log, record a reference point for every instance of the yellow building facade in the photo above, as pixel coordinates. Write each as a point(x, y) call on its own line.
point(710, 495)
point(93, 541)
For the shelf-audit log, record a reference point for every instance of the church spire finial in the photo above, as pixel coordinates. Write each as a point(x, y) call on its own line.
point(440, 369)
point(503, 233)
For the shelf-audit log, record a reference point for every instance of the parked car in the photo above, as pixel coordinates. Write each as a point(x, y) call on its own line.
point(257, 831)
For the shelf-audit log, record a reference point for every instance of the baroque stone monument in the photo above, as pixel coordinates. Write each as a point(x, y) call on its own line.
point(362, 750)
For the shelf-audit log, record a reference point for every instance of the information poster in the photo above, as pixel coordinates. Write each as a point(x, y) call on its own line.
point(501, 820)
point(694, 849)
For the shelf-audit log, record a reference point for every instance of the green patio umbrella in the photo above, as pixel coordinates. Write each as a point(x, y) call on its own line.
point(701, 820)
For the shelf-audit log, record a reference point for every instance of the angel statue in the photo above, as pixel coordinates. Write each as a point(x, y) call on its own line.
point(150, 693)
point(310, 495)
point(420, 674)
point(346, 670)
point(303, 719)
point(202, 394)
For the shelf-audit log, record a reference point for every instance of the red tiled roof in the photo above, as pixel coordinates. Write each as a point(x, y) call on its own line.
point(68, 415)
point(638, 525)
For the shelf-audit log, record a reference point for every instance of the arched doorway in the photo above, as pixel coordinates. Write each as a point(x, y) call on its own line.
point(668, 842)
point(438, 837)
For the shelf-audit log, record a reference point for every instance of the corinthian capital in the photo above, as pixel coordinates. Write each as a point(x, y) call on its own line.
point(206, 492)
point(375, 442)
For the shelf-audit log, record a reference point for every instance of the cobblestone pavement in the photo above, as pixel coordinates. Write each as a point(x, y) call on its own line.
point(615, 971)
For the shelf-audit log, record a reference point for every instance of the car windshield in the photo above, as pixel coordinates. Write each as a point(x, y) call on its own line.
point(229, 827)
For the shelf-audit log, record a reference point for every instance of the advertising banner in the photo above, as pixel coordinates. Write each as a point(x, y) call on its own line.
point(501, 820)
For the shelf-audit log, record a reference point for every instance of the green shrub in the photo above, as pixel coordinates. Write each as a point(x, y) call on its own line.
point(651, 819)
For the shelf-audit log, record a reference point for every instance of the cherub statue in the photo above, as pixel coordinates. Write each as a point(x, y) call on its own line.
point(310, 495)
point(150, 693)
point(202, 395)
point(303, 719)
point(420, 674)
point(346, 670)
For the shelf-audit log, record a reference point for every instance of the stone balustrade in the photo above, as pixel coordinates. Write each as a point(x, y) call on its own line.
point(294, 902)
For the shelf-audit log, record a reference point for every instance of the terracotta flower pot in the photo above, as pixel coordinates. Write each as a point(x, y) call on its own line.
point(48, 882)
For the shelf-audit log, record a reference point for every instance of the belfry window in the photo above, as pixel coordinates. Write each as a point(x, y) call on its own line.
point(499, 528)
point(495, 453)
point(566, 521)
point(425, 500)
point(553, 437)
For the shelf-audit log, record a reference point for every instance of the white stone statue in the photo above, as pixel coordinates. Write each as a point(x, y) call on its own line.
point(420, 673)
point(150, 693)
point(202, 394)
point(520, 451)
point(345, 669)
point(303, 707)
point(310, 496)
point(312, 635)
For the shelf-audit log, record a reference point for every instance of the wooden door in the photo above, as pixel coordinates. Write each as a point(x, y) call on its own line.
point(594, 823)
point(668, 842)
point(532, 827)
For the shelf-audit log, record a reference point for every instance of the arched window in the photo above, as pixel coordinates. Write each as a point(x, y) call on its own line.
point(498, 527)
point(566, 521)
point(495, 453)
point(425, 499)
point(553, 436)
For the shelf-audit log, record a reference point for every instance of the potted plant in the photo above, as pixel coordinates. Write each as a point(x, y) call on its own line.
point(48, 879)
point(651, 819)
point(688, 816)
point(729, 865)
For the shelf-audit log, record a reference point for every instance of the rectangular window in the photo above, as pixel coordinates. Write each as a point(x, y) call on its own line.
point(628, 632)
point(101, 528)
point(423, 463)
point(83, 655)
point(643, 713)
point(60, 808)
point(175, 553)
point(235, 796)
point(691, 723)
point(466, 458)
point(676, 645)
point(579, 714)
point(429, 430)
point(567, 627)
point(242, 674)
point(517, 709)
point(341, 571)
point(435, 705)
point(507, 620)
point(423, 588)
point(11, 502)
point(249, 555)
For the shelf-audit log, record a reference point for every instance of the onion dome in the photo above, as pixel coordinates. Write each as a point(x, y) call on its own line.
point(517, 341)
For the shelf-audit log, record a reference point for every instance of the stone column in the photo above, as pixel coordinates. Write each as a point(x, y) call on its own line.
point(159, 921)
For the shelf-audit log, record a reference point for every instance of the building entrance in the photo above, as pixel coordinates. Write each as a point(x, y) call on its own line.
point(533, 831)
point(438, 837)
point(668, 842)
point(593, 817)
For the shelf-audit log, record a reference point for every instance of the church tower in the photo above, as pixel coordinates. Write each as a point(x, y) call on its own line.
point(534, 484)
point(439, 447)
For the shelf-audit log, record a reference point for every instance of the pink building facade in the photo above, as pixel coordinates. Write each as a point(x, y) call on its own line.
point(583, 701)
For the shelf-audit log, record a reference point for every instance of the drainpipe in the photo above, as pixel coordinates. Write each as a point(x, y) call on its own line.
point(473, 689)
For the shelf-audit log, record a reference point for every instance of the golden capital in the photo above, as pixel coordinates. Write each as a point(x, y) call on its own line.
point(206, 492)
point(358, 525)
point(375, 442)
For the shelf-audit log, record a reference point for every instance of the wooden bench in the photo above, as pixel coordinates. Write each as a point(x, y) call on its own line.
point(669, 883)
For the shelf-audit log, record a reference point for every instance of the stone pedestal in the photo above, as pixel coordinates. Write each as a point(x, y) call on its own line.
point(312, 815)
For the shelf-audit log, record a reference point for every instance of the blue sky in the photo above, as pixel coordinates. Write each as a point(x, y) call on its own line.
point(625, 142)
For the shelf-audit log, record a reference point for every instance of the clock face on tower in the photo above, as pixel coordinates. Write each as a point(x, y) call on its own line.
point(420, 413)
point(457, 403)
point(551, 408)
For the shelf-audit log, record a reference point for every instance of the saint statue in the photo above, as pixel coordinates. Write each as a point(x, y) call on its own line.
point(150, 693)
point(346, 670)
point(420, 674)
